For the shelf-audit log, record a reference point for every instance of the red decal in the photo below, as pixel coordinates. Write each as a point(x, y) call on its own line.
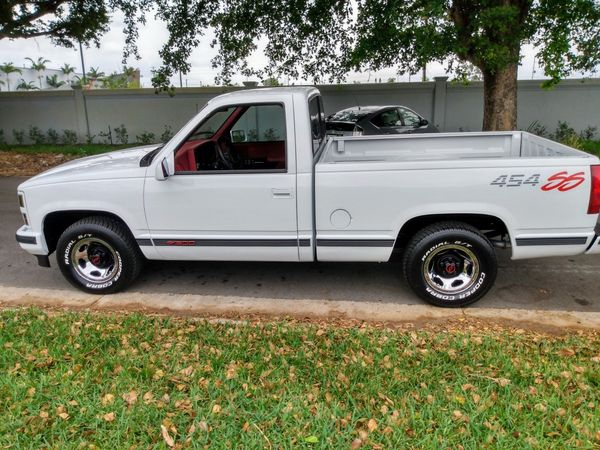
point(563, 181)
point(182, 243)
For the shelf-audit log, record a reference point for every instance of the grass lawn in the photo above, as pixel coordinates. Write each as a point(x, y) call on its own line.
point(75, 380)
point(77, 149)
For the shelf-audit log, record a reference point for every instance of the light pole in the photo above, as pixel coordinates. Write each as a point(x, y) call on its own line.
point(87, 120)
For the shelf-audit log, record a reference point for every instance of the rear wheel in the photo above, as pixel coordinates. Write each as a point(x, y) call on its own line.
point(98, 255)
point(450, 264)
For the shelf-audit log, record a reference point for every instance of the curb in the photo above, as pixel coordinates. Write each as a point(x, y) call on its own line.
point(195, 304)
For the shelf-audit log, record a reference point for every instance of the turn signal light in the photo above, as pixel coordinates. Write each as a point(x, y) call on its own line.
point(594, 207)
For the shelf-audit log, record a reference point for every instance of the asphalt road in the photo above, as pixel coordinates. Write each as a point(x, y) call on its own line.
point(551, 283)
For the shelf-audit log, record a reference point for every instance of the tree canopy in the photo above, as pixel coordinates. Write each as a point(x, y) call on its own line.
point(323, 40)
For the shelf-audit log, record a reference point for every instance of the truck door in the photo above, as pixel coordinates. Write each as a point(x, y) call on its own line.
point(233, 194)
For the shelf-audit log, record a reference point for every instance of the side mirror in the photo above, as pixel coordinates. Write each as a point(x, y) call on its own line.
point(162, 170)
point(423, 122)
point(238, 135)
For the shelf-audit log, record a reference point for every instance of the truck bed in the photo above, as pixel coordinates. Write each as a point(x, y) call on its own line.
point(368, 187)
point(443, 147)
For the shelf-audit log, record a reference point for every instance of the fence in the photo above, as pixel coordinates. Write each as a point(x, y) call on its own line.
point(450, 106)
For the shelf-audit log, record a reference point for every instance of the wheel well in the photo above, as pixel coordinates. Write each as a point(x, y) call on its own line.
point(57, 222)
point(491, 226)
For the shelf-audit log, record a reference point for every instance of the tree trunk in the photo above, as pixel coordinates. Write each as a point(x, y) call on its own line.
point(500, 99)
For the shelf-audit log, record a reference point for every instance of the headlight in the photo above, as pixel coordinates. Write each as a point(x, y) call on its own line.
point(21, 200)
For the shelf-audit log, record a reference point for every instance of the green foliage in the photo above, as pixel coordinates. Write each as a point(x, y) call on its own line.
point(106, 136)
point(146, 138)
point(19, 136)
point(69, 137)
point(54, 82)
point(26, 86)
point(272, 82)
point(52, 136)
point(167, 134)
point(2, 138)
point(36, 135)
point(122, 137)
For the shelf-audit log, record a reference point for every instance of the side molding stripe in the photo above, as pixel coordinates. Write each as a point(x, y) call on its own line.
point(144, 242)
point(228, 242)
point(355, 242)
point(528, 242)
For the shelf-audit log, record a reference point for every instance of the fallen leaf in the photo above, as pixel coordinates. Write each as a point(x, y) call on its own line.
point(63, 415)
point(166, 436)
point(356, 443)
point(457, 415)
point(109, 417)
point(130, 397)
point(216, 409)
point(311, 439)
point(372, 425)
point(148, 397)
point(188, 371)
point(43, 414)
point(108, 399)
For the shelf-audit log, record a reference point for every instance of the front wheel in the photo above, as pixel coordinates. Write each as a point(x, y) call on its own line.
point(450, 264)
point(98, 255)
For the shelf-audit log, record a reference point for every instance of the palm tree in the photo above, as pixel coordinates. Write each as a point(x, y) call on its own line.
point(54, 82)
point(39, 66)
point(67, 70)
point(9, 68)
point(24, 86)
point(94, 74)
point(2, 83)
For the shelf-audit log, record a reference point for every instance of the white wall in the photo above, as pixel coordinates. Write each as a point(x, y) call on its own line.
point(451, 107)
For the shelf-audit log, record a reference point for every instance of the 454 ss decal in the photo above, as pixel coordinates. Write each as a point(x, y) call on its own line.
point(561, 181)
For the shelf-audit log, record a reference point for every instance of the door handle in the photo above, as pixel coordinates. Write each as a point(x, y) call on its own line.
point(282, 193)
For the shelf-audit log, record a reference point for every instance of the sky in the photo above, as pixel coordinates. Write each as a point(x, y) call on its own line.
point(109, 56)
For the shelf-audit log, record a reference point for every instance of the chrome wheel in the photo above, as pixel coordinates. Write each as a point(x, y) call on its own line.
point(451, 268)
point(94, 260)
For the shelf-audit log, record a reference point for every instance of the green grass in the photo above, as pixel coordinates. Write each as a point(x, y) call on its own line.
point(74, 380)
point(77, 149)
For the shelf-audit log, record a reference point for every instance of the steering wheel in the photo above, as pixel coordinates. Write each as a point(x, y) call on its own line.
point(226, 158)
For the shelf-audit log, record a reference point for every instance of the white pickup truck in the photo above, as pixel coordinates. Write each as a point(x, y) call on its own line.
point(252, 177)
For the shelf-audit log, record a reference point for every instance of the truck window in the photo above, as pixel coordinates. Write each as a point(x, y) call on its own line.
point(317, 121)
point(236, 138)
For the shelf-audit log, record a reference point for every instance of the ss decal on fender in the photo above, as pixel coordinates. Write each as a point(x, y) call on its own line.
point(560, 181)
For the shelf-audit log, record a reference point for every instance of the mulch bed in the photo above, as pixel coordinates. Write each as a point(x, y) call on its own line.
point(28, 164)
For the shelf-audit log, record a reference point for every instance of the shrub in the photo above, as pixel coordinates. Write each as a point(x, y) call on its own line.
point(19, 136)
point(146, 138)
point(538, 129)
point(589, 133)
point(36, 135)
point(52, 136)
point(167, 134)
point(106, 136)
point(69, 137)
point(563, 132)
point(2, 138)
point(121, 134)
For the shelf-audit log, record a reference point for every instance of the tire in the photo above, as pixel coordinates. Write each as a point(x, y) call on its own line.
point(450, 264)
point(98, 255)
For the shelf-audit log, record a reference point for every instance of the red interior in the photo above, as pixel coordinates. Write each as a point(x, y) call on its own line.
point(256, 155)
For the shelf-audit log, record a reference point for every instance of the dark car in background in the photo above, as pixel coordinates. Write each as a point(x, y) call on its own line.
point(360, 120)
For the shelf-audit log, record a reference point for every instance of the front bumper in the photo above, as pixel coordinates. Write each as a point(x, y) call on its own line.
point(31, 241)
